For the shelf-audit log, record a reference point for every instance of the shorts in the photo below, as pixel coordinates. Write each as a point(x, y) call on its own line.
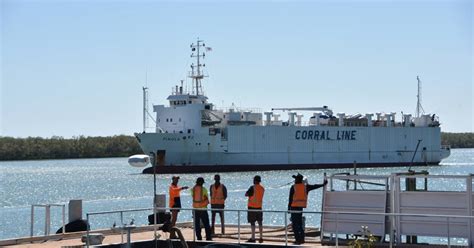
point(177, 203)
point(254, 216)
point(217, 206)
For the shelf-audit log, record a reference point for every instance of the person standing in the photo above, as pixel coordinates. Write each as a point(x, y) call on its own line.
point(218, 196)
point(255, 199)
point(175, 198)
point(297, 201)
point(200, 201)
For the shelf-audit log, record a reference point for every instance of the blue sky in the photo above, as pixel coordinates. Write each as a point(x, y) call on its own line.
point(72, 68)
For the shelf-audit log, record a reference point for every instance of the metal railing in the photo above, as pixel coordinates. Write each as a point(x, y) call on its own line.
point(334, 235)
point(47, 217)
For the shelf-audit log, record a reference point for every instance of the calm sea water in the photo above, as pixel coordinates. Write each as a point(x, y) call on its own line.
point(111, 184)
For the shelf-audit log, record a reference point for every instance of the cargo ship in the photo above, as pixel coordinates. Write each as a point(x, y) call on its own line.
point(192, 135)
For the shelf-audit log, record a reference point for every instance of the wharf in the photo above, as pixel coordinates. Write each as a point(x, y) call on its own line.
point(273, 237)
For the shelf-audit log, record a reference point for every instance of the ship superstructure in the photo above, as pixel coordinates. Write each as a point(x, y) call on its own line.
point(191, 135)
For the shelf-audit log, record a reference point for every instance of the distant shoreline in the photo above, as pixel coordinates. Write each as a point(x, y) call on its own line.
point(37, 148)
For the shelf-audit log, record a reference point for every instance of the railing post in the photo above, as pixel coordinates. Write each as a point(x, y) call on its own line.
point(121, 229)
point(238, 225)
point(87, 230)
point(337, 231)
point(286, 228)
point(194, 225)
point(64, 218)
point(449, 236)
point(47, 219)
point(32, 220)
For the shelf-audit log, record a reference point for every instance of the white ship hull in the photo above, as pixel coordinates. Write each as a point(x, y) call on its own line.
point(275, 147)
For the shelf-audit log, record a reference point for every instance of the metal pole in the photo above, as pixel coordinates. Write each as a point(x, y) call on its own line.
point(238, 225)
point(47, 219)
point(286, 228)
point(337, 231)
point(64, 219)
point(449, 239)
point(469, 207)
point(129, 238)
point(121, 227)
point(32, 219)
point(87, 230)
point(194, 225)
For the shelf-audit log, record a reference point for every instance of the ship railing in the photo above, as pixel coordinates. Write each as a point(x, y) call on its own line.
point(47, 217)
point(335, 236)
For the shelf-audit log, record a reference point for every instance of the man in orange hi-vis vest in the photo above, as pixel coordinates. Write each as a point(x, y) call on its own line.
point(297, 201)
point(200, 201)
point(255, 195)
point(218, 196)
point(175, 198)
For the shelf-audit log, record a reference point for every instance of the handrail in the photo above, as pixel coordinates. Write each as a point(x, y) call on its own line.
point(285, 212)
point(47, 217)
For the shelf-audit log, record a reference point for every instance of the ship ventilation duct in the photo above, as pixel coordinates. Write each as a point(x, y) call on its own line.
point(369, 119)
point(388, 120)
point(291, 116)
point(378, 116)
point(341, 119)
point(406, 120)
point(316, 119)
point(268, 118)
point(298, 120)
point(246, 116)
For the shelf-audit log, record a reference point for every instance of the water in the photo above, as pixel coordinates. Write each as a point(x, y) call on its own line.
point(111, 184)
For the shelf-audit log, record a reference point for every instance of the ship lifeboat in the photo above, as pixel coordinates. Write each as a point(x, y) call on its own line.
point(139, 160)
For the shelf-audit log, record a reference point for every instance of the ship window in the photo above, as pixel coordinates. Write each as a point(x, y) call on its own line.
point(171, 120)
point(189, 102)
point(179, 119)
point(166, 119)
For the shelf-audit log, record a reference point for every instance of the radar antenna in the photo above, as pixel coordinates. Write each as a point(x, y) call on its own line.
point(196, 71)
point(419, 108)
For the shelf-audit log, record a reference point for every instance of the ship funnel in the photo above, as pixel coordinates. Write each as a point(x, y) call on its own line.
point(341, 119)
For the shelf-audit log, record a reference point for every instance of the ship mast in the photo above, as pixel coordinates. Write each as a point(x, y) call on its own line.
point(145, 108)
point(419, 108)
point(196, 71)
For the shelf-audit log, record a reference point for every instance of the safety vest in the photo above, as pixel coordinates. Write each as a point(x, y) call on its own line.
point(300, 196)
point(255, 201)
point(217, 194)
point(199, 199)
point(174, 193)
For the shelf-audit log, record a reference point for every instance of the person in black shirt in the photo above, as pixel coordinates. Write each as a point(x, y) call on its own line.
point(297, 201)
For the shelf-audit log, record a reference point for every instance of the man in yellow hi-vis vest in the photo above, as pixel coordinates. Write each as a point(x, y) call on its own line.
point(200, 201)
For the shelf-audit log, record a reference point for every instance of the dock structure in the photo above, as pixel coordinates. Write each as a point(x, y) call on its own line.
point(274, 236)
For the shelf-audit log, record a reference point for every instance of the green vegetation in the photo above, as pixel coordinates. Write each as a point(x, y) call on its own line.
point(458, 140)
point(120, 146)
point(59, 148)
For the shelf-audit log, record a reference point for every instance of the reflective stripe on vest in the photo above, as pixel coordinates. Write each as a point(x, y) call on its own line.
point(255, 201)
point(174, 191)
point(217, 194)
point(199, 199)
point(300, 196)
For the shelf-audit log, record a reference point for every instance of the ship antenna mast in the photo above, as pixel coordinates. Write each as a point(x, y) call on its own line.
point(419, 108)
point(145, 108)
point(196, 71)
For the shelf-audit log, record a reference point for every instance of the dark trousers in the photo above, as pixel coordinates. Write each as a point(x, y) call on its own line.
point(297, 223)
point(202, 216)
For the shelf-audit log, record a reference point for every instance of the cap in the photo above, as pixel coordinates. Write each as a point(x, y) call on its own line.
point(257, 178)
point(200, 180)
point(298, 176)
